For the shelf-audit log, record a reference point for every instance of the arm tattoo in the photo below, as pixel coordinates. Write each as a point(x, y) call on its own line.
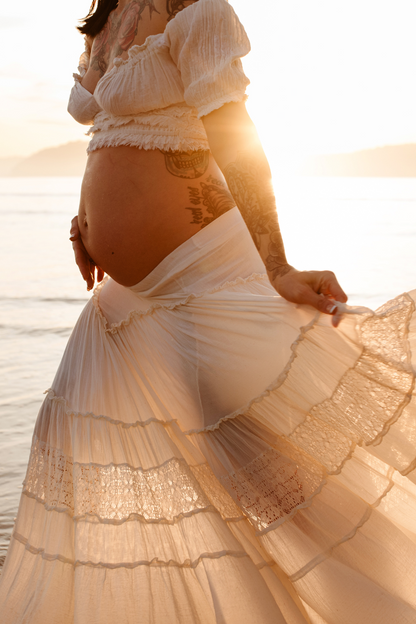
point(174, 6)
point(188, 165)
point(129, 21)
point(249, 181)
point(100, 48)
point(118, 34)
point(214, 196)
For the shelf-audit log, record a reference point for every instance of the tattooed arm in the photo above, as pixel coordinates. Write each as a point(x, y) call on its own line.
point(115, 38)
point(236, 147)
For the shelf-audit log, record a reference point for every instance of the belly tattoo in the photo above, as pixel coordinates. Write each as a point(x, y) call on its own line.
point(188, 165)
point(216, 198)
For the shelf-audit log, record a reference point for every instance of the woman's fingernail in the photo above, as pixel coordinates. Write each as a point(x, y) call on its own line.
point(331, 308)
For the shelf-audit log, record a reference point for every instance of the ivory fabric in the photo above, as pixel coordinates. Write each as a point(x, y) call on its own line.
point(154, 99)
point(210, 453)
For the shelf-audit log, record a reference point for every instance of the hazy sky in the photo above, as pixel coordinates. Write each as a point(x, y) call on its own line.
point(327, 75)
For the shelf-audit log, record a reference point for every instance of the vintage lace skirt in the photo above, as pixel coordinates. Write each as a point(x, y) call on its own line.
point(212, 454)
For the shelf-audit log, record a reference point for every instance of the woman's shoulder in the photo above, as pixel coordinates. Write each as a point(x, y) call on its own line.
point(202, 13)
point(206, 20)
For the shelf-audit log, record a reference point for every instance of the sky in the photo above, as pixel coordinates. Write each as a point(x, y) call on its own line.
point(327, 76)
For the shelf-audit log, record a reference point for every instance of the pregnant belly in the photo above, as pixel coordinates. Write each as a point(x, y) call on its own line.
point(137, 206)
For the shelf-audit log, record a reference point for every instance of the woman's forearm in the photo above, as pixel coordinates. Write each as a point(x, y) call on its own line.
point(249, 180)
point(237, 149)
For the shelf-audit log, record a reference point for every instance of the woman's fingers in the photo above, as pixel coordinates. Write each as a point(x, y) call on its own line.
point(74, 231)
point(81, 258)
point(328, 291)
point(84, 263)
point(330, 287)
point(336, 318)
point(100, 274)
point(323, 304)
point(334, 291)
point(319, 301)
point(97, 272)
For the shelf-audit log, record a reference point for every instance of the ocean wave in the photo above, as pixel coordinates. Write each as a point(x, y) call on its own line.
point(39, 194)
point(70, 300)
point(35, 331)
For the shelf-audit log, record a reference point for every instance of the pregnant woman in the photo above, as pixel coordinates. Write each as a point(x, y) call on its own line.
point(216, 447)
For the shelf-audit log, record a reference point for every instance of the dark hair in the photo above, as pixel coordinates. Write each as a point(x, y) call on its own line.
point(97, 16)
point(99, 11)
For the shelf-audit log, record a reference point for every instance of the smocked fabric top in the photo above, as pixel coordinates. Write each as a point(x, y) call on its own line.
point(156, 97)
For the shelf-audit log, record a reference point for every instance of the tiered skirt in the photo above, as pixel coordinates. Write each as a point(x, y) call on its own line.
point(209, 453)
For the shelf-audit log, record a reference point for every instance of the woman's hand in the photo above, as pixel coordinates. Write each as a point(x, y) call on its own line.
point(85, 264)
point(318, 289)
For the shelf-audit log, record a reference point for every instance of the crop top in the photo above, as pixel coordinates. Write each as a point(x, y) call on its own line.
point(155, 98)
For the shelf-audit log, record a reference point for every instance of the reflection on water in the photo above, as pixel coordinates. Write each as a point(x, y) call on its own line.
point(363, 229)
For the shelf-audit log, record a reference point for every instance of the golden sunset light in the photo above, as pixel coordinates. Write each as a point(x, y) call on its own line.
point(208, 312)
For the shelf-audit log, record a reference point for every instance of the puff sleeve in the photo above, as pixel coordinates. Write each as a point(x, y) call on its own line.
point(206, 43)
point(82, 105)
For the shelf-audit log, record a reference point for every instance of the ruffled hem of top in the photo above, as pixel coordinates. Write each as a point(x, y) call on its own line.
point(175, 128)
point(171, 119)
point(145, 141)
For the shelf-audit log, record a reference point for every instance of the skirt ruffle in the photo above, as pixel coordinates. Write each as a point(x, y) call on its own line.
point(209, 452)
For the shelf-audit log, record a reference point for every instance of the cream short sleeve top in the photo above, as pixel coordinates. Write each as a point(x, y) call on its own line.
point(155, 98)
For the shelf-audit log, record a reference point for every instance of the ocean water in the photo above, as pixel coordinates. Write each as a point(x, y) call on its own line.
point(364, 229)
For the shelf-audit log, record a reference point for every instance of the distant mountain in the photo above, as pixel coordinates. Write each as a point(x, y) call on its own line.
point(388, 161)
point(64, 160)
